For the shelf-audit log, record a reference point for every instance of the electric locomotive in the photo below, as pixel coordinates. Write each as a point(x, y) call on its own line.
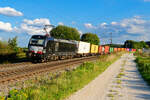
point(43, 48)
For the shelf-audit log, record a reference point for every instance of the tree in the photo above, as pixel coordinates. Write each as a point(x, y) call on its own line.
point(135, 44)
point(65, 32)
point(12, 43)
point(91, 38)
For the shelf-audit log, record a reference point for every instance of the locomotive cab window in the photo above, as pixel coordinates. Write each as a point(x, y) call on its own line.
point(37, 41)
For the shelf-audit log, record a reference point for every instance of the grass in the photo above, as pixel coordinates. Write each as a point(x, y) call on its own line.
point(111, 95)
point(118, 81)
point(122, 69)
point(118, 86)
point(143, 64)
point(68, 82)
point(113, 91)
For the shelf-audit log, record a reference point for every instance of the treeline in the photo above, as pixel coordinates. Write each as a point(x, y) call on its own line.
point(69, 33)
point(116, 45)
point(135, 44)
point(9, 51)
point(8, 47)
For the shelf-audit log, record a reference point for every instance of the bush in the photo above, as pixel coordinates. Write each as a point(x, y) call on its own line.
point(91, 38)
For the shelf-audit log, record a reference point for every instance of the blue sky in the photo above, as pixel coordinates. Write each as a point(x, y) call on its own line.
point(126, 19)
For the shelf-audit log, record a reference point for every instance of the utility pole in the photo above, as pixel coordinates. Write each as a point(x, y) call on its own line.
point(110, 37)
point(46, 27)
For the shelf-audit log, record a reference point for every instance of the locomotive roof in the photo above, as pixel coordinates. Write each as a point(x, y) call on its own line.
point(62, 40)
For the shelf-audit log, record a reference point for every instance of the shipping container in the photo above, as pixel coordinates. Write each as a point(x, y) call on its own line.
point(122, 49)
point(111, 50)
point(94, 49)
point(119, 49)
point(133, 50)
point(107, 49)
point(100, 49)
point(128, 49)
point(115, 49)
point(103, 49)
point(83, 47)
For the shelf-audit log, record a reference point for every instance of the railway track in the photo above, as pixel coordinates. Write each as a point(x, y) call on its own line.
point(17, 74)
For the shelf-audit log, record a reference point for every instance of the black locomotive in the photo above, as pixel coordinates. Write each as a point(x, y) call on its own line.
point(44, 48)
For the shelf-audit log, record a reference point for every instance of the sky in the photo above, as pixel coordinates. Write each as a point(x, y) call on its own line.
point(125, 19)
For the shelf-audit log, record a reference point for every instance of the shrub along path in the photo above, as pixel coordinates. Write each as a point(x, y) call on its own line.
point(121, 81)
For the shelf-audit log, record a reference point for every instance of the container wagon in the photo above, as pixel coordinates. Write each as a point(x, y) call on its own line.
point(107, 49)
point(128, 49)
point(83, 48)
point(115, 49)
point(94, 49)
point(100, 51)
point(111, 50)
point(122, 49)
point(119, 49)
point(103, 50)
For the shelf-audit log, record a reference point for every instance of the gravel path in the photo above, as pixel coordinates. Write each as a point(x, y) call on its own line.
point(121, 81)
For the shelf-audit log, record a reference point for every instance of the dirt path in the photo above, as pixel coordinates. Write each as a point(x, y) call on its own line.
point(121, 81)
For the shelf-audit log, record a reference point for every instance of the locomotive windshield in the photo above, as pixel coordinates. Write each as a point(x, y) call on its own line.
point(37, 40)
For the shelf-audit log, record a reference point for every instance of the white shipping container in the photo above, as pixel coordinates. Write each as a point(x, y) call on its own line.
point(103, 49)
point(83, 47)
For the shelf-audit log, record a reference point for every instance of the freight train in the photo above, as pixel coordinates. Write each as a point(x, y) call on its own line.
point(44, 48)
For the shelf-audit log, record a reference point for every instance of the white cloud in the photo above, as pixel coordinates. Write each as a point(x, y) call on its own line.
point(1, 39)
point(5, 26)
point(103, 24)
point(114, 23)
point(10, 11)
point(60, 23)
point(88, 25)
point(80, 32)
point(37, 22)
point(73, 22)
point(135, 28)
point(136, 25)
point(33, 27)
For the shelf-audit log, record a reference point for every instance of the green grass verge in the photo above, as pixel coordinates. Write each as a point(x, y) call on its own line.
point(59, 86)
point(143, 64)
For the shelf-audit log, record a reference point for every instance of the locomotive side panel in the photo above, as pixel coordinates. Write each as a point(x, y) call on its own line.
point(59, 47)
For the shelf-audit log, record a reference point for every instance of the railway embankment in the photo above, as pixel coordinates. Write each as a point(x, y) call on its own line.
point(59, 85)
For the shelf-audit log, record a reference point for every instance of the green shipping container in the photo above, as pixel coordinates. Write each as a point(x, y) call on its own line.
point(111, 50)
